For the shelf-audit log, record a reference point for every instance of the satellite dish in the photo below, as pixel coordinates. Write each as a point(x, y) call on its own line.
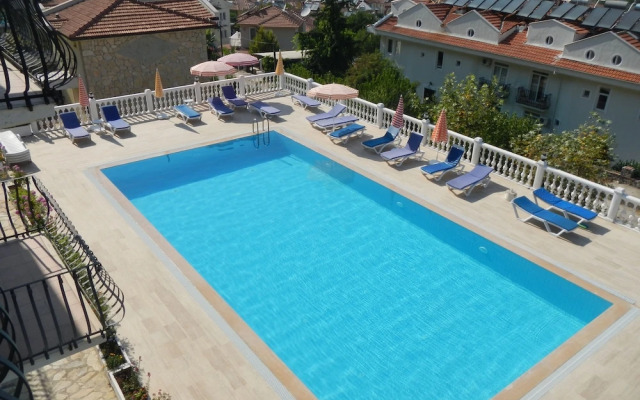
point(305, 11)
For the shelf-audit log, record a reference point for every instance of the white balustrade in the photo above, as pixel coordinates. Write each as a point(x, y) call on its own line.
point(614, 205)
point(509, 165)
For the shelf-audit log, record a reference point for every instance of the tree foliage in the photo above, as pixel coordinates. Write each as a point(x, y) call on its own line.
point(330, 43)
point(474, 110)
point(379, 81)
point(264, 41)
point(586, 151)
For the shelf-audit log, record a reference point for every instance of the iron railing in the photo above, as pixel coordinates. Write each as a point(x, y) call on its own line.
point(29, 42)
point(533, 99)
point(58, 310)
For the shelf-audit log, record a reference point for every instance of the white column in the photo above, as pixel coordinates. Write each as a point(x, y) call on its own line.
point(425, 128)
point(618, 195)
point(380, 113)
point(148, 97)
point(477, 149)
point(538, 180)
point(196, 88)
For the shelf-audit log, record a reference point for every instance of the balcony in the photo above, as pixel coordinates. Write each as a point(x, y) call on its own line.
point(533, 99)
point(502, 90)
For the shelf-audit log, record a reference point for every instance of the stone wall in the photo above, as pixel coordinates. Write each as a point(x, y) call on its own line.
point(127, 64)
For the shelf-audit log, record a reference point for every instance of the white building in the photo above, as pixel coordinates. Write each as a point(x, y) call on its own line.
point(560, 61)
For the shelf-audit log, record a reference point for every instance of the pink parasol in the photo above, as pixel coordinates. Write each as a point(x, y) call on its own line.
point(82, 93)
point(398, 117)
point(440, 132)
point(212, 68)
point(239, 59)
point(333, 91)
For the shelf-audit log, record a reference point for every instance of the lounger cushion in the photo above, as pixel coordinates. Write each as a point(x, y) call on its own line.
point(264, 108)
point(334, 112)
point(305, 101)
point(389, 136)
point(13, 148)
point(187, 111)
point(477, 174)
point(534, 209)
point(347, 130)
point(557, 202)
point(218, 107)
point(113, 121)
point(337, 121)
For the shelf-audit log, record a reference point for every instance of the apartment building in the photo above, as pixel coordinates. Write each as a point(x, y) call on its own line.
point(559, 61)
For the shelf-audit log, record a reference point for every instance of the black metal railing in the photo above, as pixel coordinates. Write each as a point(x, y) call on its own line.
point(533, 99)
point(78, 302)
point(13, 383)
point(28, 42)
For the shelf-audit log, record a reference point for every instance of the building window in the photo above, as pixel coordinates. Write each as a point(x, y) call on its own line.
point(440, 60)
point(586, 94)
point(390, 46)
point(589, 55)
point(549, 40)
point(471, 32)
point(538, 86)
point(500, 72)
point(603, 97)
point(418, 23)
point(428, 94)
point(252, 33)
point(224, 16)
point(398, 47)
point(616, 60)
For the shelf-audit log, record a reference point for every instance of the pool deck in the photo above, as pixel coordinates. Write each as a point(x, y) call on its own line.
point(181, 328)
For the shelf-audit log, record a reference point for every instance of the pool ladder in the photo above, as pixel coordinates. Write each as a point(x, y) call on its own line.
point(260, 133)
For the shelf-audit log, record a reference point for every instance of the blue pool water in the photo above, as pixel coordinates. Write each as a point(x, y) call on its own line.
point(361, 292)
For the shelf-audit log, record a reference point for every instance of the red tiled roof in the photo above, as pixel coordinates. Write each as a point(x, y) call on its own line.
point(103, 18)
point(515, 47)
point(578, 28)
point(271, 17)
point(630, 39)
point(439, 10)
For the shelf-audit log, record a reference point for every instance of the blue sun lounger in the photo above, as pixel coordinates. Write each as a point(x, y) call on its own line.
point(219, 108)
point(379, 144)
point(187, 113)
point(451, 163)
point(478, 176)
point(329, 124)
point(343, 135)
point(411, 150)
point(336, 110)
point(112, 121)
point(264, 109)
point(232, 98)
point(304, 101)
point(567, 208)
point(548, 218)
point(72, 126)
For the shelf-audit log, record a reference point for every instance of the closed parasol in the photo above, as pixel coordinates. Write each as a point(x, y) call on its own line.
point(398, 117)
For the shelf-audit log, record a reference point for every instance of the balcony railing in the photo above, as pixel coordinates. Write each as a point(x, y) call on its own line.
point(58, 310)
point(40, 53)
point(614, 205)
point(533, 99)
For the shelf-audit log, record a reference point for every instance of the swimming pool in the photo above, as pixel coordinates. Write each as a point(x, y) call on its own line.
point(360, 291)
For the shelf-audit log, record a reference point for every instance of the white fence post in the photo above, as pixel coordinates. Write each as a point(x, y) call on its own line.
point(93, 108)
point(424, 128)
point(379, 115)
point(477, 149)
point(309, 83)
point(241, 86)
point(542, 168)
point(618, 195)
point(196, 88)
point(148, 98)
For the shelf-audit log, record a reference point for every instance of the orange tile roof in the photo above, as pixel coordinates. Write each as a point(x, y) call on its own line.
point(90, 19)
point(515, 47)
point(271, 17)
